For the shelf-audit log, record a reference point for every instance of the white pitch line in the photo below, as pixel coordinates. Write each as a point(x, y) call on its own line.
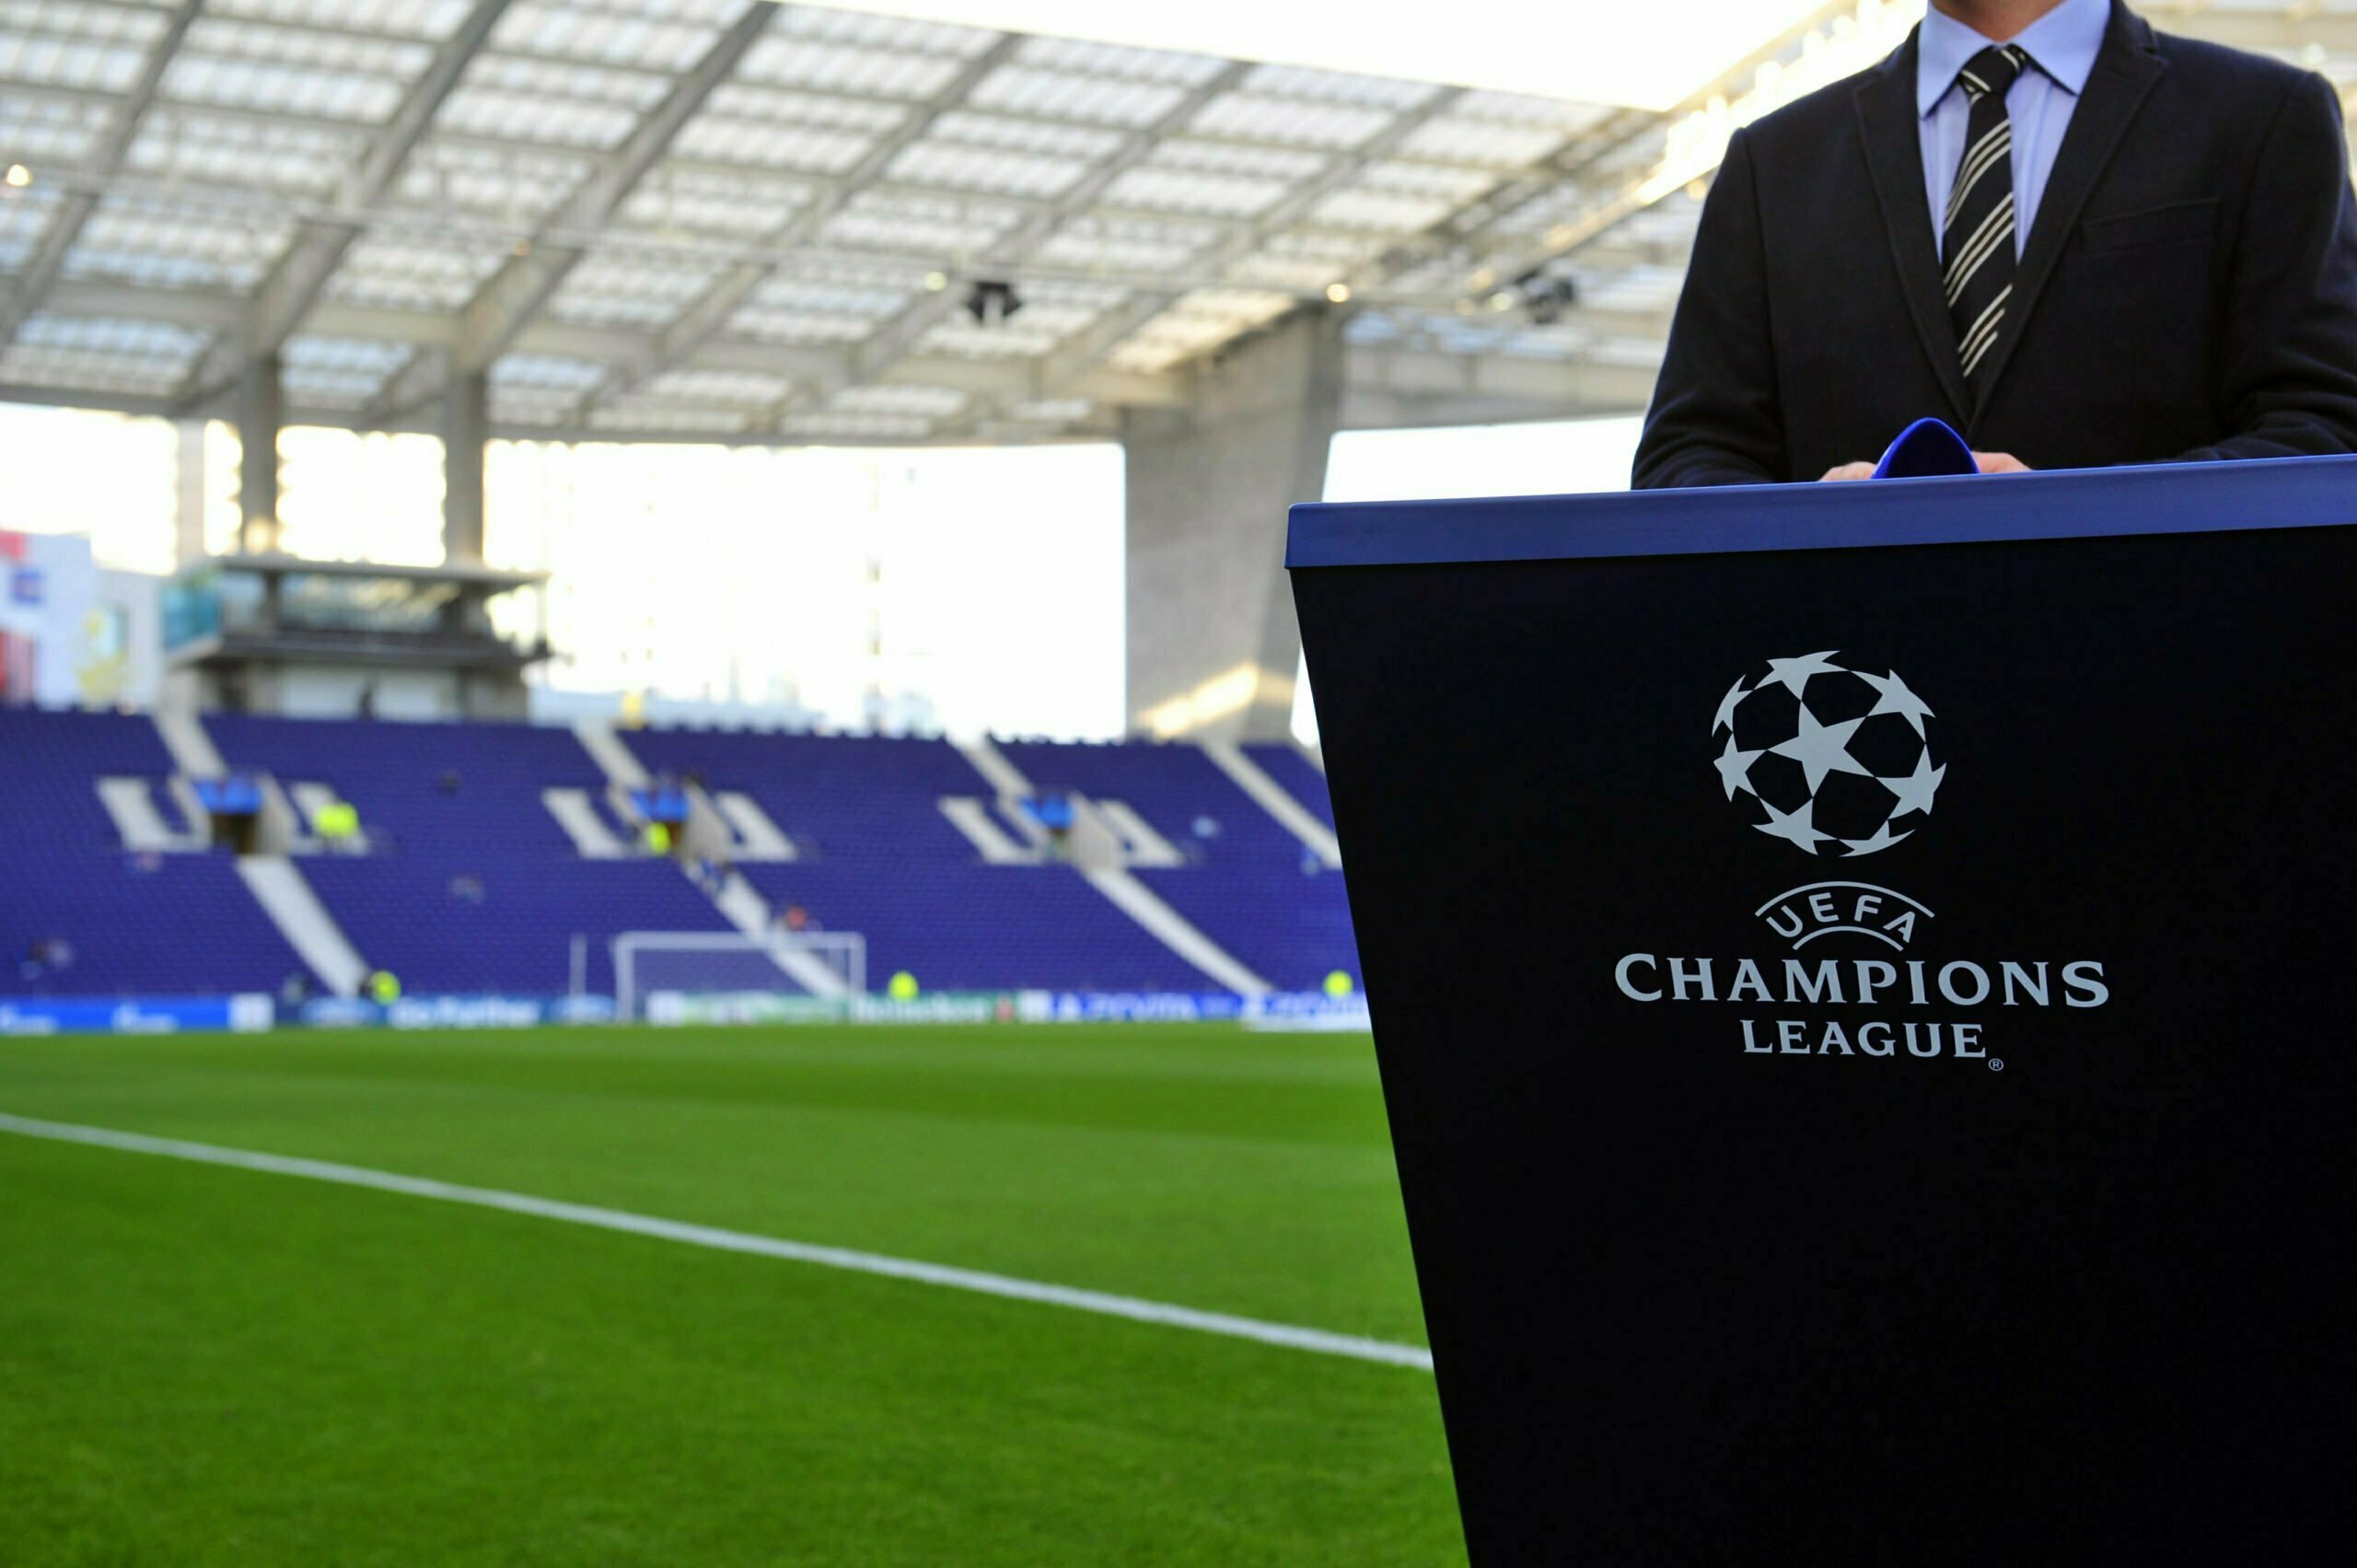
point(1314, 1340)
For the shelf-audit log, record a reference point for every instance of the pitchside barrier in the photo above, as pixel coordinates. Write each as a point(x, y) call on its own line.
point(1884, 1093)
point(1289, 1012)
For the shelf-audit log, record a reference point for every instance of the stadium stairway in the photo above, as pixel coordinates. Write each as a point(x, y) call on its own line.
point(882, 856)
point(1113, 878)
point(754, 837)
point(287, 898)
point(592, 839)
point(272, 880)
point(474, 887)
point(1270, 796)
point(1299, 772)
point(131, 803)
point(1271, 896)
point(191, 749)
point(991, 841)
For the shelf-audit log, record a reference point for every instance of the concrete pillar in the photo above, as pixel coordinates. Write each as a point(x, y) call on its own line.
point(188, 495)
point(466, 426)
point(261, 407)
point(1213, 649)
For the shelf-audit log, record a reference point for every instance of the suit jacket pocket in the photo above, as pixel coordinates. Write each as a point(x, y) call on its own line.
point(2176, 222)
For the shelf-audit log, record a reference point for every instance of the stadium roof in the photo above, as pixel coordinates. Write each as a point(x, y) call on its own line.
point(727, 219)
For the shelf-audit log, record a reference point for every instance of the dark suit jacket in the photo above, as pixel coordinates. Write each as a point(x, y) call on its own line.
point(2188, 289)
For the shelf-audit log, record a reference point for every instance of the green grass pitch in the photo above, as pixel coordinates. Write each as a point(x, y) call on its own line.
point(212, 1366)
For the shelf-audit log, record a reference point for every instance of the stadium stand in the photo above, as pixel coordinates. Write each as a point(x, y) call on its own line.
point(157, 925)
point(1245, 882)
point(445, 803)
point(471, 885)
point(881, 858)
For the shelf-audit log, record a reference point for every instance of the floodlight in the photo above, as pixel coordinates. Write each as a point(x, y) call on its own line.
point(989, 302)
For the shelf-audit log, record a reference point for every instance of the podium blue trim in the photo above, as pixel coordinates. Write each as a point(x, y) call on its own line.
point(2179, 498)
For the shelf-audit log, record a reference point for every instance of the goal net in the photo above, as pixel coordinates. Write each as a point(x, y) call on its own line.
point(680, 977)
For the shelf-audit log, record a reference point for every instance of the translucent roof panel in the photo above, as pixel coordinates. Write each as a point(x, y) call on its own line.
point(101, 355)
point(1335, 86)
point(632, 411)
point(403, 272)
point(25, 217)
point(516, 407)
point(782, 130)
point(1500, 130)
point(662, 35)
point(1213, 179)
point(260, 66)
point(339, 373)
point(511, 185)
point(927, 225)
point(1069, 95)
point(1306, 258)
point(1020, 338)
point(547, 371)
point(49, 130)
point(687, 199)
point(771, 325)
point(224, 151)
point(368, 356)
point(1051, 314)
point(266, 42)
point(1079, 57)
point(1128, 243)
point(993, 170)
point(95, 47)
point(518, 99)
point(793, 310)
point(1194, 322)
point(931, 403)
point(431, 21)
point(743, 389)
point(169, 244)
point(808, 63)
point(618, 287)
point(903, 36)
point(1290, 122)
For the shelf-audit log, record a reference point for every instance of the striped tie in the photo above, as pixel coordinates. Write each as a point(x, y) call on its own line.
point(1977, 236)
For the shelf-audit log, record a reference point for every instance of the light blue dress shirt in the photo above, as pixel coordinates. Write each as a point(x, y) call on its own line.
point(2062, 45)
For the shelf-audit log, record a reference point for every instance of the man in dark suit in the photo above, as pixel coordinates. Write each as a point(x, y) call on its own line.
point(2146, 249)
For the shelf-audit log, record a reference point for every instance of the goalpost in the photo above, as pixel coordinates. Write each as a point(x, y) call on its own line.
point(715, 976)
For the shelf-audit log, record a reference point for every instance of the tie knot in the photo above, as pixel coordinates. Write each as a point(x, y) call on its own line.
point(1994, 70)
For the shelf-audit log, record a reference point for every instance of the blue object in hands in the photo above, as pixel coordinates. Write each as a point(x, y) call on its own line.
point(1926, 449)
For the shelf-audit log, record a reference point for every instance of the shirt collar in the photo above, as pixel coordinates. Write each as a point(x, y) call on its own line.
point(2064, 43)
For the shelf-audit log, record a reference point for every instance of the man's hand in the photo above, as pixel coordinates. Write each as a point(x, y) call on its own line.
point(1990, 462)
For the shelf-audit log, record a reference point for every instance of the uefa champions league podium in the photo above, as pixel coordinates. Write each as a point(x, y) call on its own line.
point(1862, 982)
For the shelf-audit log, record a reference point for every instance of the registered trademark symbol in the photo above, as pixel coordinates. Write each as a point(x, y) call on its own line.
point(1996, 1064)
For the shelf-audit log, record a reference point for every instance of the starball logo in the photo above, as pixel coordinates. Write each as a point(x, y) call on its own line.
point(1838, 761)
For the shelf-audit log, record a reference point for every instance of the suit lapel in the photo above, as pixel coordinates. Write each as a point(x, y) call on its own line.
point(2125, 73)
point(1889, 125)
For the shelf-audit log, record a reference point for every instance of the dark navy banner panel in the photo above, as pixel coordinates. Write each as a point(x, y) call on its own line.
point(1867, 1031)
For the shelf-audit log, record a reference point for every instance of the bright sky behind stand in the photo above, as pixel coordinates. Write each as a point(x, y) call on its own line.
point(976, 588)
